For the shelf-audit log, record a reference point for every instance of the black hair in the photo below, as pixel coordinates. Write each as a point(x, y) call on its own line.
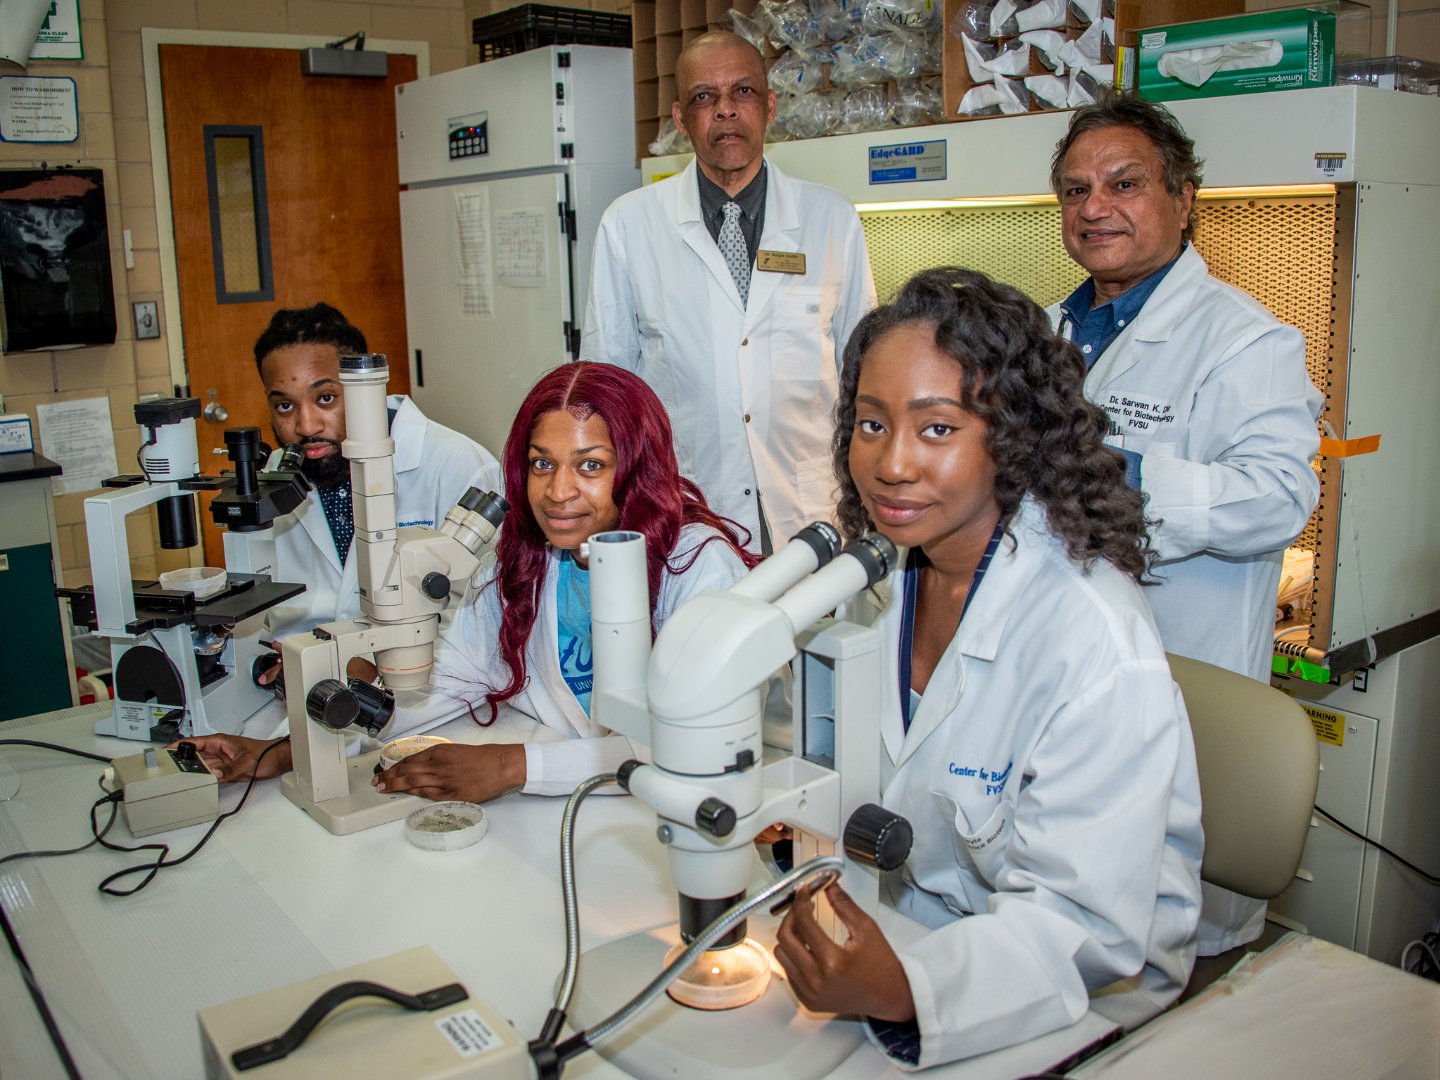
point(1178, 163)
point(1026, 384)
point(319, 324)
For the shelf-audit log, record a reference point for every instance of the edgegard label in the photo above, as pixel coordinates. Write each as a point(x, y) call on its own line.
point(900, 163)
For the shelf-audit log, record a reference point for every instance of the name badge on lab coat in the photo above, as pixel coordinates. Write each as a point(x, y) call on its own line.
point(780, 262)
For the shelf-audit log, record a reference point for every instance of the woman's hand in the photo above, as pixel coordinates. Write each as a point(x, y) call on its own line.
point(234, 757)
point(457, 771)
point(863, 976)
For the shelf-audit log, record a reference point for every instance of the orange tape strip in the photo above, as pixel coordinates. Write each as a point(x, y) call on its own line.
point(1368, 444)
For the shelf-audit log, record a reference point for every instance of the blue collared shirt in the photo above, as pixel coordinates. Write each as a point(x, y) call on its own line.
point(1094, 328)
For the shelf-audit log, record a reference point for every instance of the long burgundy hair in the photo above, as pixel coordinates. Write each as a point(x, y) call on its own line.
point(651, 495)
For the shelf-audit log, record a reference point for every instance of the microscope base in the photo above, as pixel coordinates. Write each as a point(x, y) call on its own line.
point(769, 1037)
point(363, 808)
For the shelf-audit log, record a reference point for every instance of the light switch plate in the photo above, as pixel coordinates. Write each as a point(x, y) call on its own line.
point(147, 319)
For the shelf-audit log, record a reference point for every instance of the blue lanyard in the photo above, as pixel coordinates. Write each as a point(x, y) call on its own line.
point(913, 563)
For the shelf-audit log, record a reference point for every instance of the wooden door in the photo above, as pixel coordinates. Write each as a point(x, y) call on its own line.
point(285, 191)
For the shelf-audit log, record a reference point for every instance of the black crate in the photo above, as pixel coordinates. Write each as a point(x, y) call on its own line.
point(533, 26)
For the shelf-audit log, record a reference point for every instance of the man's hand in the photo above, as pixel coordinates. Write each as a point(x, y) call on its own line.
point(458, 771)
point(234, 757)
point(863, 977)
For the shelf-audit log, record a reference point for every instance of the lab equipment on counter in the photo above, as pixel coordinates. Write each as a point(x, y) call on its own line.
point(165, 789)
point(185, 664)
point(405, 575)
point(446, 826)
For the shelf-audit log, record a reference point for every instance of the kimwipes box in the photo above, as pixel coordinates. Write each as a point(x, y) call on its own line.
point(1246, 54)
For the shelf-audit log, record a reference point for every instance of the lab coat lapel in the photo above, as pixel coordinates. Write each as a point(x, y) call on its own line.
point(407, 431)
point(685, 212)
point(979, 636)
point(312, 520)
point(781, 233)
point(1172, 298)
point(546, 635)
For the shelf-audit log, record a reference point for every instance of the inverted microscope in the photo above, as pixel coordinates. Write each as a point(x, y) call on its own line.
point(405, 576)
point(182, 664)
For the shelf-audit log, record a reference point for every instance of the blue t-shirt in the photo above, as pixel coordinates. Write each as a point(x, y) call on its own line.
point(572, 610)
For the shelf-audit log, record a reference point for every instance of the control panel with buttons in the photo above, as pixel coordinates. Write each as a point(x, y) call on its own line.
point(166, 789)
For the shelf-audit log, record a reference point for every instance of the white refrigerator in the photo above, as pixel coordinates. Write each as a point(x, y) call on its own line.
point(505, 169)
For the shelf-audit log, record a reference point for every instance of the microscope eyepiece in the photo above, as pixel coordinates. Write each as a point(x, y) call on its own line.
point(875, 553)
point(823, 539)
point(243, 444)
point(489, 505)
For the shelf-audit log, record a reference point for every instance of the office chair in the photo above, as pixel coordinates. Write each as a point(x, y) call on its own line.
point(1259, 764)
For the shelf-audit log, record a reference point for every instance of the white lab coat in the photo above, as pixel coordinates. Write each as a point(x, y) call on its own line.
point(1049, 777)
point(433, 468)
point(468, 665)
point(1212, 390)
point(750, 389)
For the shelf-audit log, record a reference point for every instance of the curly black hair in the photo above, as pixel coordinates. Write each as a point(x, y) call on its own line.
point(1027, 384)
point(319, 324)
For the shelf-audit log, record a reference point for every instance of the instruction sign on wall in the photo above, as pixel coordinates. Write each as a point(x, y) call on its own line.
point(38, 110)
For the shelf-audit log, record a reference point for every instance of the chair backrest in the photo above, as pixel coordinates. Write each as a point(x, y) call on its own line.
point(1259, 763)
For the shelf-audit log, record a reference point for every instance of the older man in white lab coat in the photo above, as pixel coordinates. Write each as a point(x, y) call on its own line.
point(732, 289)
point(1208, 398)
point(299, 361)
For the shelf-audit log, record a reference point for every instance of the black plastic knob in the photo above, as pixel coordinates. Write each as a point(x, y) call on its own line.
point(877, 837)
point(331, 704)
point(185, 752)
point(435, 585)
point(715, 817)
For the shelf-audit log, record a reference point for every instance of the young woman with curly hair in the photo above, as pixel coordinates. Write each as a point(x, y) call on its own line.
point(1031, 732)
point(590, 450)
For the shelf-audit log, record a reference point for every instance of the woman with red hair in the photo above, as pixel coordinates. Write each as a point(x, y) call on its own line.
point(590, 450)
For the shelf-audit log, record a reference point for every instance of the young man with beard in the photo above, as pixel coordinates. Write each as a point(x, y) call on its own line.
point(298, 356)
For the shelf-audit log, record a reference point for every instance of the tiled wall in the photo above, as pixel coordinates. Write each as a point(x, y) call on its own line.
point(114, 137)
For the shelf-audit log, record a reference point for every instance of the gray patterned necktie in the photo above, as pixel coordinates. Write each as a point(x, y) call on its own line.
point(732, 247)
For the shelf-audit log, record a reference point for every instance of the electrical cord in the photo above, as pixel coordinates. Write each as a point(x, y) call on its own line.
point(32, 985)
point(1431, 878)
point(555, 1020)
point(163, 861)
point(37, 995)
point(98, 833)
point(53, 746)
point(1427, 964)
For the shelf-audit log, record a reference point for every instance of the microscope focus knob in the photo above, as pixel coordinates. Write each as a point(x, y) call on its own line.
point(435, 585)
point(877, 837)
point(715, 817)
point(331, 704)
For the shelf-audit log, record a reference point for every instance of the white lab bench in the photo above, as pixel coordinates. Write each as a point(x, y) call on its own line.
point(274, 898)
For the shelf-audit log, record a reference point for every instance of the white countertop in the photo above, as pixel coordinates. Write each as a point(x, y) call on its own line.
point(274, 898)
